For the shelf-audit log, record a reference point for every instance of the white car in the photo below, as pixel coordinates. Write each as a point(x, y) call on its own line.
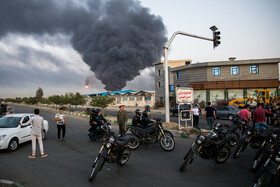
point(13, 132)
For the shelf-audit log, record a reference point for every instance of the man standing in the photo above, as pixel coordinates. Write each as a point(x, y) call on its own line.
point(195, 111)
point(36, 133)
point(61, 124)
point(244, 113)
point(258, 117)
point(210, 115)
point(121, 119)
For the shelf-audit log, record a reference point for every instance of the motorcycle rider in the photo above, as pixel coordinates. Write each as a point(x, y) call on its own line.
point(99, 118)
point(136, 122)
point(145, 119)
point(93, 119)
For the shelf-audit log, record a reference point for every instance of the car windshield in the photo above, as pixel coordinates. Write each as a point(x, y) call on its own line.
point(9, 122)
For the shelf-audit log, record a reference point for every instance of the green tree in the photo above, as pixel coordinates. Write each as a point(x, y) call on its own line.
point(102, 101)
point(32, 100)
point(56, 99)
point(39, 94)
point(77, 99)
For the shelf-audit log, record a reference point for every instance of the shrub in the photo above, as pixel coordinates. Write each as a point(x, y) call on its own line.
point(221, 102)
point(159, 104)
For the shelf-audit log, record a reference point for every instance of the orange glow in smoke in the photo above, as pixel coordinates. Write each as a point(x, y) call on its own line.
point(86, 86)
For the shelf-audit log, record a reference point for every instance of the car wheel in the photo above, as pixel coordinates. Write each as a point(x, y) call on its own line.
point(44, 135)
point(13, 145)
point(230, 117)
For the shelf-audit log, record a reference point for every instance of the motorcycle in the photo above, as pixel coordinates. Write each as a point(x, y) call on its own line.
point(254, 137)
point(272, 138)
point(225, 131)
point(208, 147)
point(98, 132)
point(270, 169)
point(156, 132)
point(114, 150)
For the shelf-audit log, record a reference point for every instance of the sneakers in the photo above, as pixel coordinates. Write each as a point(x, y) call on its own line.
point(32, 156)
point(44, 155)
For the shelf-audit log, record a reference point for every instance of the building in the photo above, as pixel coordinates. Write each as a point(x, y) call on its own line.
point(128, 97)
point(212, 81)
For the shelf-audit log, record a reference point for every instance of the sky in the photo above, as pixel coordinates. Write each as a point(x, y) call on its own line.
point(249, 30)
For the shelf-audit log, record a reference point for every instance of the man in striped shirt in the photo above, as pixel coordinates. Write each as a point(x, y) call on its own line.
point(258, 117)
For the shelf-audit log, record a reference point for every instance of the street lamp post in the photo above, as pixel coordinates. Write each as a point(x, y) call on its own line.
point(167, 117)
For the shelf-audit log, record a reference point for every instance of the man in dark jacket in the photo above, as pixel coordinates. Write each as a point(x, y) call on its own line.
point(121, 119)
point(145, 119)
point(136, 122)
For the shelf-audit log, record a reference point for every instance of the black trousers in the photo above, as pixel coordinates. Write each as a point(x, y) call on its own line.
point(195, 120)
point(59, 127)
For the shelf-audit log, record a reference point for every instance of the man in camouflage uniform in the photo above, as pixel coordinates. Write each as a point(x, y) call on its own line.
point(121, 119)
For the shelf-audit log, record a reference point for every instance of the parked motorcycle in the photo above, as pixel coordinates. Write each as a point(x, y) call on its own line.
point(254, 137)
point(208, 147)
point(114, 150)
point(272, 139)
point(156, 132)
point(225, 131)
point(98, 132)
point(270, 169)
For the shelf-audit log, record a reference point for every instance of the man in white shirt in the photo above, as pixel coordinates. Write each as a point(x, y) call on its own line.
point(195, 111)
point(36, 133)
point(61, 124)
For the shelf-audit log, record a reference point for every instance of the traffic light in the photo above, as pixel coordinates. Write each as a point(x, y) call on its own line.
point(216, 38)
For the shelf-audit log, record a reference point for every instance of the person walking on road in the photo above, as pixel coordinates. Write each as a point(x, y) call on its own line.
point(210, 115)
point(195, 111)
point(61, 124)
point(121, 119)
point(36, 133)
point(258, 117)
point(10, 111)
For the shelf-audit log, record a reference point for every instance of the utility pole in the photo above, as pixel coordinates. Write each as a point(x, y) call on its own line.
point(214, 39)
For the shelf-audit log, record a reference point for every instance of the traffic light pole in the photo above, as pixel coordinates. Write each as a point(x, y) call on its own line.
point(167, 116)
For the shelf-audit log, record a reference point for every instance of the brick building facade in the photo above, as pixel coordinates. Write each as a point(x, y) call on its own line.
point(220, 80)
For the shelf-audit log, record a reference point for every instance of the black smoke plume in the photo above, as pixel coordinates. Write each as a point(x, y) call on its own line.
point(116, 38)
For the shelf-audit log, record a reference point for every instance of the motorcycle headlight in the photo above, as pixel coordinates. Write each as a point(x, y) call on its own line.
point(108, 145)
point(248, 132)
point(274, 136)
point(277, 159)
point(2, 137)
point(199, 141)
point(111, 140)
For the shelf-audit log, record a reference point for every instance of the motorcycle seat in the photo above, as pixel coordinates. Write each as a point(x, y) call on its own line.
point(144, 131)
point(125, 140)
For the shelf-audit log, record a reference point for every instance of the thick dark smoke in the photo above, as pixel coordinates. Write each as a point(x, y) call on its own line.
point(116, 38)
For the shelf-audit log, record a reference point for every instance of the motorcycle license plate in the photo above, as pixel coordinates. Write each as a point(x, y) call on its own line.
point(273, 167)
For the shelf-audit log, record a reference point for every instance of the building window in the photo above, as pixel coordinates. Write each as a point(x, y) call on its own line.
point(131, 98)
point(125, 98)
point(158, 72)
point(178, 85)
point(235, 70)
point(178, 75)
point(254, 69)
point(148, 98)
point(171, 88)
point(159, 84)
point(161, 99)
point(216, 71)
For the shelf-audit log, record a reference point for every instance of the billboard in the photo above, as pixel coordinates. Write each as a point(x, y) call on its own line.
point(184, 95)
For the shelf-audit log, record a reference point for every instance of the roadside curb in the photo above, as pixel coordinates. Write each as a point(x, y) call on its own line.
point(5, 183)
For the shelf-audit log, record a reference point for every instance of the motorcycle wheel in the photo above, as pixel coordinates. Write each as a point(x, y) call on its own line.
point(124, 157)
point(234, 139)
point(223, 154)
point(96, 168)
point(134, 144)
point(189, 157)
point(263, 179)
point(259, 159)
point(167, 142)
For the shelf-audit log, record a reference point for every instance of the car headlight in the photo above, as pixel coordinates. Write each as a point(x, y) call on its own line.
point(108, 145)
point(2, 137)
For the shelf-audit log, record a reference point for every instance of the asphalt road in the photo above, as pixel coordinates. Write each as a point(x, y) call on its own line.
point(69, 163)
